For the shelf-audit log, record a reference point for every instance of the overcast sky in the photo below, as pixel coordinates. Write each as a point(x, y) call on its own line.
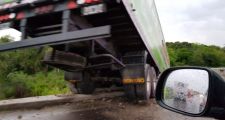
point(198, 21)
point(11, 32)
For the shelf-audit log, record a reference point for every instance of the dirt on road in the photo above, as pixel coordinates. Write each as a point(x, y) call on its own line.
point(100, 109)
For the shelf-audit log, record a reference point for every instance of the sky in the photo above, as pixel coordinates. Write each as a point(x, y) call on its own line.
point(11, 32)
point(197, 80)
point(196, 21)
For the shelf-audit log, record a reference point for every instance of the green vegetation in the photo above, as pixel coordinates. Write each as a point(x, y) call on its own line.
point(22, 74)
point(191, 54)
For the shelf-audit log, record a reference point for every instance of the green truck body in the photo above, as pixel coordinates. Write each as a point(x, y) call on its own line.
point(145, 17)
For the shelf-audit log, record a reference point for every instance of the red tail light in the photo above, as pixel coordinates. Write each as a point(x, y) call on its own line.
point(71, 5)
point(43, 9)
point(20, 16)
point(91, 1)
point(96, 0)
point(1, 18)
point(80, 2)
point(7, 17)
point(88, 1)
point(4, 18)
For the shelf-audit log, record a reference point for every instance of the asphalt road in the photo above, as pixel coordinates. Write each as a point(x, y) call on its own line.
point(100, 109)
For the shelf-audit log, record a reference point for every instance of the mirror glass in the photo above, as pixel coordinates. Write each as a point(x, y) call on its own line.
point(187, 90)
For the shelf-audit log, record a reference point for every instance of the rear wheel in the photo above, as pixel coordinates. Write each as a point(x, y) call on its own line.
point(72, 79)
point(153, 82)
point(140, 91)
point(86, 86)
point(72, 87)
point(130, 91)
point(143, 91)
point(80, 83)
point(138, 68)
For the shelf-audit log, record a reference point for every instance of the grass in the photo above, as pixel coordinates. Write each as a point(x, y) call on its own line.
point(20, 84)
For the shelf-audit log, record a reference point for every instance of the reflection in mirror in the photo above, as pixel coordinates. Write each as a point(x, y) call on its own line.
point(187, 90)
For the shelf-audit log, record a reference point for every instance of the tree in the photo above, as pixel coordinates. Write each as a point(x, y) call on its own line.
point(183, 53)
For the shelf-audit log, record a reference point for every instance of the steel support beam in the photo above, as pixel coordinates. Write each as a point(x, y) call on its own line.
point(68, 37)
point(23, 28)
point(84, 24)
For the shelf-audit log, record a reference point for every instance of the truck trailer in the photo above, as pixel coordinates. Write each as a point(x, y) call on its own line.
point(98, 43)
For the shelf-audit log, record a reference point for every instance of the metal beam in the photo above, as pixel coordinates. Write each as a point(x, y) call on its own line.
point(68, 37)
point(83, 24)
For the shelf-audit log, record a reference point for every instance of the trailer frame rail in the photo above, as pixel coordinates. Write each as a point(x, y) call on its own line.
point(68, 37)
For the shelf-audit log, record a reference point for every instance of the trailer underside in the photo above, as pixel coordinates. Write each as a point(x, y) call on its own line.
point(51, 29)
point(95, 50)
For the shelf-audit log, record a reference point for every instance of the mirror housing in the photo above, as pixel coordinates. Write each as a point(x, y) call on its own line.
point(215, 91)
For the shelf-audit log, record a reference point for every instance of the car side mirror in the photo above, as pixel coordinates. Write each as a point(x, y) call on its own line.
point(192, 91)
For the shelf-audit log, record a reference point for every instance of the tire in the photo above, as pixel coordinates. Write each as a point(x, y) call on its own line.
point(72, 87)
point(130, 91)
point(84, 85)
point(85, 88)
point(143, 91)
point(140, 91)
point(70, 77)
point(153, 82)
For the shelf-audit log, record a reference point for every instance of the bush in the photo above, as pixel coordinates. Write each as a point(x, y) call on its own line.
point(21, 74)
point(20, 84)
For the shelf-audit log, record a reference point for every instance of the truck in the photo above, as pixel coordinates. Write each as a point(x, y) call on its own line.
point(180, 91)
point(98, 43)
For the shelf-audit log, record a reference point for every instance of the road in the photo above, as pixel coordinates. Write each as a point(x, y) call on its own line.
point(101, 109)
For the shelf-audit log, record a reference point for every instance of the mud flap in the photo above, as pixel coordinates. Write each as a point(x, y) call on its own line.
point(137, 86)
